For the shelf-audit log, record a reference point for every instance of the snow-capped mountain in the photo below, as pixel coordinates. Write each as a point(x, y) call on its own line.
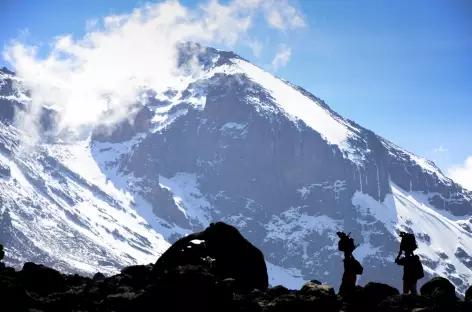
point(237, 144)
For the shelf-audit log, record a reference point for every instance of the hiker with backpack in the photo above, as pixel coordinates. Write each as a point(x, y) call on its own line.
point(412, 267)
point(352, 267)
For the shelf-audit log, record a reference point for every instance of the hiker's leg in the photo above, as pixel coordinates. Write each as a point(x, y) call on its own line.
point(347, 289)
point(413, 287)
point(406, 286)
point(342, 289)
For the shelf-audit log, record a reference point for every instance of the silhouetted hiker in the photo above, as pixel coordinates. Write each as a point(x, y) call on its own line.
point(412, 267)
point(352, 267)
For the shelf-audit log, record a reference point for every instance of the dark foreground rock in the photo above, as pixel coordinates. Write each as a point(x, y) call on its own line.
point(195, 276)
point(439, 287)
point(231, 256)
point(191, 288)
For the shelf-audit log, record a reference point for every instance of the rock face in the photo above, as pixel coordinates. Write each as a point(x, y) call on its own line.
point(241, 146)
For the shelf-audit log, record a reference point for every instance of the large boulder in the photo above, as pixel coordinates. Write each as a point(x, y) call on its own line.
point(374, 293)
point(41, 280)
point(303, 303)
point(379, 291)
point(314, 289)
point(405, 303)
point(121, 302)
point(13, 296)
point(138, 274)
point(438, 287)
point(312, 297)
point(278, 291)
point(98, 277)
point(190, 288)
point(224, 248)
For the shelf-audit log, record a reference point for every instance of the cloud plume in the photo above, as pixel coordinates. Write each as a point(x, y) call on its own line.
point(462, 174)
point(105, 70)
point(440, 149)
point(282, 57)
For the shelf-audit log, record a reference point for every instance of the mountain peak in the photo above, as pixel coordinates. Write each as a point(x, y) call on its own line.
point(228, 141)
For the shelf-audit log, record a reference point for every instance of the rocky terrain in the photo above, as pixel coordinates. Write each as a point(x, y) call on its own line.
point(197, 275)
point(235, 144)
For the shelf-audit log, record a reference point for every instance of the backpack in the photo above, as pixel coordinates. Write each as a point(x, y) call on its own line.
point(359, 269)
point(408, 242)
point(353, 266)
point(419, 272)
point(346, 243)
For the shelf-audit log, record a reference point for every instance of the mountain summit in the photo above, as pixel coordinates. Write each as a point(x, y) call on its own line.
point(235, 144)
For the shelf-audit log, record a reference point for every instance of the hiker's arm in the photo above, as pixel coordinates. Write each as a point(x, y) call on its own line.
point(398, 260)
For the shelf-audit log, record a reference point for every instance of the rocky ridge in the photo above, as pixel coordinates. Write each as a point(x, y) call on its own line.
point(194, 278)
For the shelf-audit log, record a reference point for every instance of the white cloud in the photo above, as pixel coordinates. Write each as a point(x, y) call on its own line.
point(280, 15)
point(256, 47)
point(105, 69)
point(440, 149)
point(282, 57)
point(462, 174)
point(91, 24)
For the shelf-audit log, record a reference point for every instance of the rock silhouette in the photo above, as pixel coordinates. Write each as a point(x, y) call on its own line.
point(98, 277)
point(231, 255)
point(190, 279)
point(439, 288)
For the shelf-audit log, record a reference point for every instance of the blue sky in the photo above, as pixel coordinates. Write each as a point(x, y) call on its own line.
point(400, 68)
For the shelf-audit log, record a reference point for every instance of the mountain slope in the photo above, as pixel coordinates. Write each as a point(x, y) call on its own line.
point(235, 143)
point(55, 215)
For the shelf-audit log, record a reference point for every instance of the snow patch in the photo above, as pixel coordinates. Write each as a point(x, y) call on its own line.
point(234, 128)
point(197, 241)
point(290, 278)
point(188, 198)
point(293, 225)
point(297, 106)
point(233, 125)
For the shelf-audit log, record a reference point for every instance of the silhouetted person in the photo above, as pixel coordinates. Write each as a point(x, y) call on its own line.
point(352, 267)
point(412, 267)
